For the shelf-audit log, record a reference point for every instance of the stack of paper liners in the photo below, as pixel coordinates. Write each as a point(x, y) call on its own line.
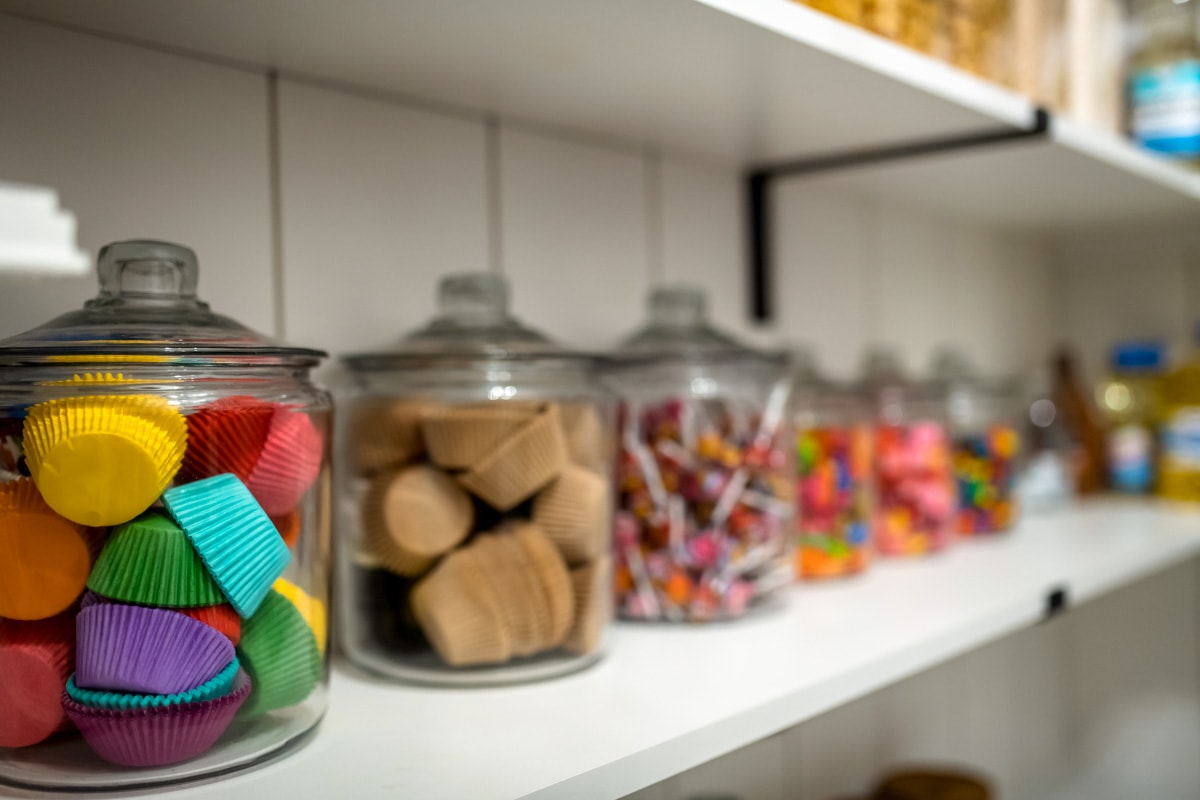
point(104, 459)
point(460, 436)
point(36, 659)
point(521, 464)
point(414, 516)
point(575, 511)
point(507, 594)
point(222, 617)
point(44, 557)
point(587, 444)
point(386, 434)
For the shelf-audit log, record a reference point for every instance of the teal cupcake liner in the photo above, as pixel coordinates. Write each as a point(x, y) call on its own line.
point(235, 538)
point(150, 562)
point(218, 686)
point(279, 652)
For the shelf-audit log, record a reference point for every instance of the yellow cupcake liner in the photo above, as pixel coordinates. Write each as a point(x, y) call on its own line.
point(112, 357)
point(311, 609)
point(413, 517)
point(574, 511)
point(103, 460)
point(591, 586)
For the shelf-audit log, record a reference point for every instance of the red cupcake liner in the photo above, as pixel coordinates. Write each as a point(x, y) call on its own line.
point(155, 737)
point(226, 436)
point(36, 658)
point(290, 463)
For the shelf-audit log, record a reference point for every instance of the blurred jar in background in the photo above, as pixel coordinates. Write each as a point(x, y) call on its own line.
point(847, 10)
point(985, 444)
point(1179, 463)
point(832, 425)
point(1163, 77)
point(1047, 479)
point(1128, 400)
point(914, 490)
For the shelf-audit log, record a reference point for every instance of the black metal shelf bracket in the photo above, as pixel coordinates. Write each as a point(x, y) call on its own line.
point(760, 178)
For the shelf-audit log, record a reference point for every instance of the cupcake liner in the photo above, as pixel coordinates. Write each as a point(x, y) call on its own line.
point(311, 609)
point(142, 650)
point(459, 436)
point(102, 460)
point(457, 611)
point(150, 562)
point(289, 526)
point(289, 464)
point(585, 436)
point(591, 586)
point(386, 434)
point(223, 618)
point(216, 686)
point(553, 579)
point(226, 436)
point(280, 654)
point(96, 379)
point(520, 465)
point(575, 512)
point(517, 594)
point(44, 558)
point(235, 538)
point(412, 517)
point(35, 662)
point(155, 737)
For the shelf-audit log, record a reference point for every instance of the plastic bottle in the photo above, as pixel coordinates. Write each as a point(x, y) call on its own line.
point(1163, 77)
point(1179, 459)
point(1128, 401)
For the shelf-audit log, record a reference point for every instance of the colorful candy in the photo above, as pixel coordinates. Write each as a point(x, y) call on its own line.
point(833, 467)
point(704, 504)
point(915, 500)
point(984, 471)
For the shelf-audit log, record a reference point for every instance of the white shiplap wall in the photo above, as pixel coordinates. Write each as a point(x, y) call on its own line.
point(373, 199)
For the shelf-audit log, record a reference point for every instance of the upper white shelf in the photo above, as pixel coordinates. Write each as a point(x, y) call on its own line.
point(735, 81)
point(669, 698)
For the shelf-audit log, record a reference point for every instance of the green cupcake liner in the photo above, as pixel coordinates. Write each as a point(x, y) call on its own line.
point(218, 686)
point(150, 562)
point(280, 653)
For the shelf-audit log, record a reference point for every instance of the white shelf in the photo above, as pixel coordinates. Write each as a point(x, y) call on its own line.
point(669, 698)
point(737, 81)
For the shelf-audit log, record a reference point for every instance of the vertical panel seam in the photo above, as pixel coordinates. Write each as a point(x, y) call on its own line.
point(276, 195)
point(656, 261)
point(494, 176)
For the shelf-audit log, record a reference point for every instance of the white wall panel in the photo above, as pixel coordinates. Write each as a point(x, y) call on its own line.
point(378, 200)
point(574, 236)
point(751, 773)
point(140, 144)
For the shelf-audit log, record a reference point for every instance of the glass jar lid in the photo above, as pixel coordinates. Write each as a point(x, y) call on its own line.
point(147, 306)
point(473, 328)
point(678, 329)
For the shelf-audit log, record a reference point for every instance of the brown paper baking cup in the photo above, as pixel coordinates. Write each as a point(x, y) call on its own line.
point(456, 609)
point(515, 587)
point(412, 517)
point(586, 441)
point(522, 464)
point(386, 434)
point(575, 512)
point(459, 436)
point(552, 578)
point(591, 586)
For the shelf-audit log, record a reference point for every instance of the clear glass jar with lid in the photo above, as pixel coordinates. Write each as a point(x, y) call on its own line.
point(832, 424)
point(475, 494)
point(914, 488)
point(164, 535)
point(704, 496)
point(982, 415)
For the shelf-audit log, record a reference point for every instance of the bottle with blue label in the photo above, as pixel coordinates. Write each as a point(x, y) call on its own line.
point(1129, 400)
point(1179, 460)
point(1163, 76)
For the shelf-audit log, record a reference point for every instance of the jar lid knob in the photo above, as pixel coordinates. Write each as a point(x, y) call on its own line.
point(473, 298)
point(678, 306)
point(147, 269)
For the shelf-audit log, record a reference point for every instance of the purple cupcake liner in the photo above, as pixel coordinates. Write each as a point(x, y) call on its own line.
point(123, 648)
point(90, 599)
point(156, 737)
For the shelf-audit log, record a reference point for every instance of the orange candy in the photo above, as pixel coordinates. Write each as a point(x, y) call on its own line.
point(679, 588)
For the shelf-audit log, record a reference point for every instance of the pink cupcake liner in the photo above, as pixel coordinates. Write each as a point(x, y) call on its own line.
point(35, 661)
point(124, 648)
point(289, 464)
point(155, 737)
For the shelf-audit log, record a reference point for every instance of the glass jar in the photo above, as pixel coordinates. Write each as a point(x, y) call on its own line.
point(1163, 77)
point(832, 426)
point(704, 500)
point(986, 444)
point(912, 23)
point(1128, 401)
point(847, 10)
point(475, 500)
point(914, 489)
point(164, 536)
point(1179, 455)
